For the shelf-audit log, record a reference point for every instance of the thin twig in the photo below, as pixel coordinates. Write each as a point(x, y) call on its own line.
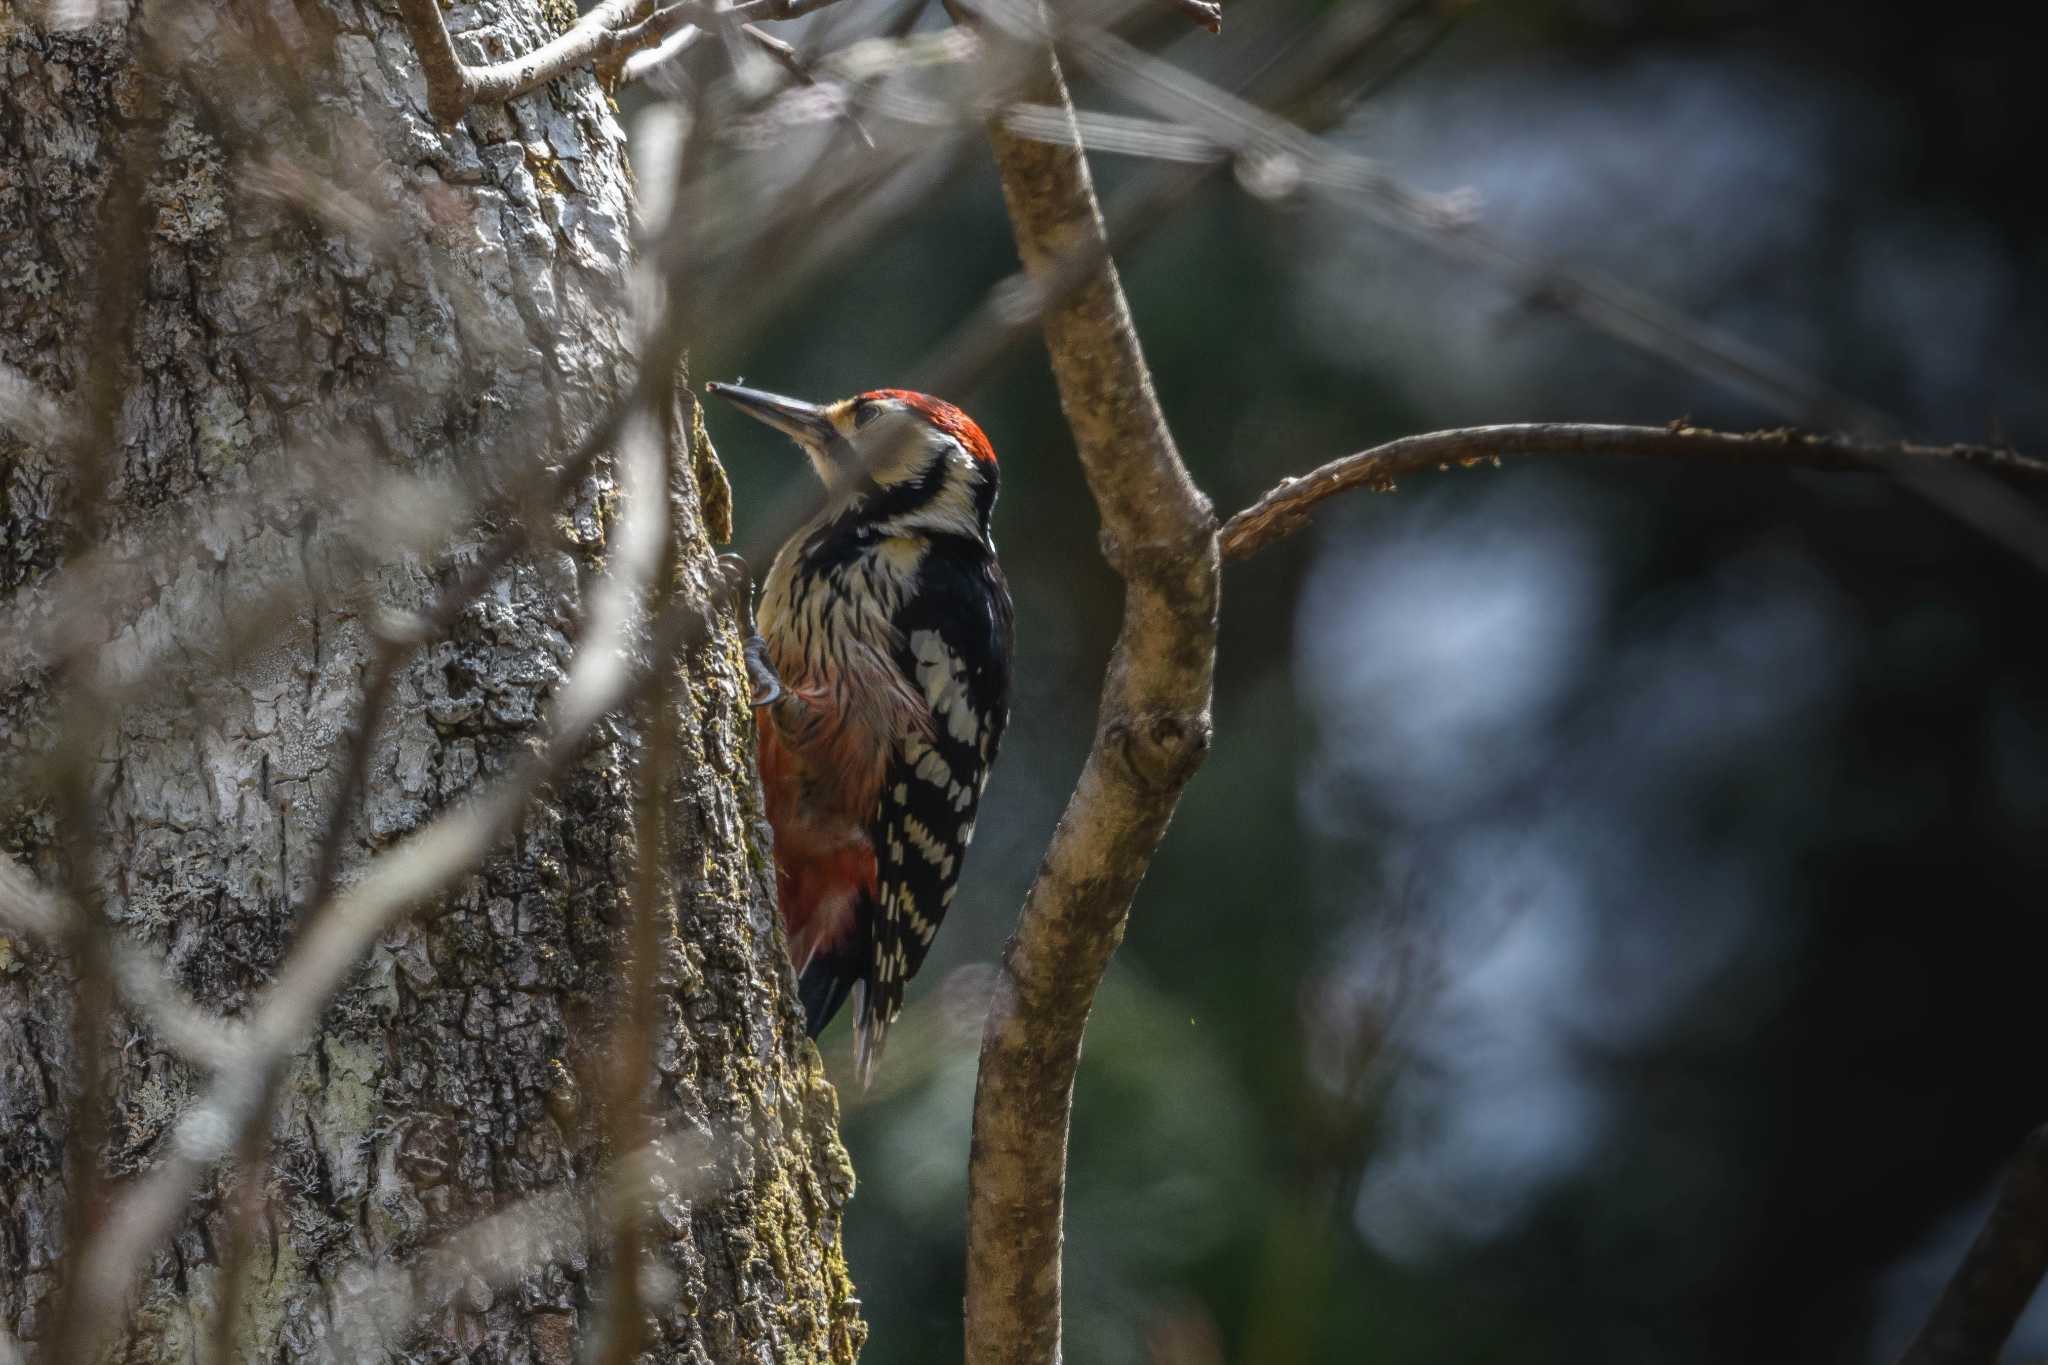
point(1285, 155)
point(646, 474)
point(1288, 507)
point(104, 1265)
point(1999, 1274)
point(246, 1206)
point(1151, 733)
point(27, 908)
point(197, 1035)
point(386, 655)
point(121, 261)
point(252, 1152)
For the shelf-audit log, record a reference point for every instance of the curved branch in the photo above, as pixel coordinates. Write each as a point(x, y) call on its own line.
point(1287, 508)
point(1159, 534)
point(1999, 1274)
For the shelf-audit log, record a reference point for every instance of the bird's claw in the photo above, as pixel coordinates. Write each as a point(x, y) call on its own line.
point(739, 588)
point(761, 673)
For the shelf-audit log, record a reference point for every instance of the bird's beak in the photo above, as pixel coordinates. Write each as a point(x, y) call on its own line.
point(804, 423)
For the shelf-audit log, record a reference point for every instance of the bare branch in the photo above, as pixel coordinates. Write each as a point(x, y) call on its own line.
point(27, 908)
point(123, 246)
point(647, 474)
point(29, 412)
point(1999, 1274)
point(600, 678)
point(1281, 155)
point(385, 1296)
point(1151, 734)
point(447, 83)
point(199, 1036)
point(611, 32)
point(641, 65)
point(32, 911)
point(1287, 508)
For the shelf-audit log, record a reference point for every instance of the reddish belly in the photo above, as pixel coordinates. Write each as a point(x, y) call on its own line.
point(824, 862)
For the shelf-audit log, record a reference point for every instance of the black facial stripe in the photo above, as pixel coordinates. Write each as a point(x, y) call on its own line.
point(906, 496)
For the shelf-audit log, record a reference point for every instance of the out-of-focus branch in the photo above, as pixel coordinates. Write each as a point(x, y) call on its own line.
point(1152, 732)
point(647, 472)
point(1287, 508)
point(121, 265)
point(386, 1295)
point(600, 678)
point(25, 907)
point(1999, 1274)
point(28, 909)
point(31, 413)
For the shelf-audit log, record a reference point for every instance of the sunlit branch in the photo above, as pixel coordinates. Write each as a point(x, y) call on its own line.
point(385, 1296)
point(647, 471)
point(611, 32)
point(1287, 508)
point(336, 935)
point(36, 913)
point(122, 248)
point(25, 907)
point(635, 35)
point(29, 412)
point(1151, 734)
point(1285, 155)
point(641, 65)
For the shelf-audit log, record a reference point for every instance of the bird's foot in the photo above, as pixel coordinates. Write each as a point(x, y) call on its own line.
point(739, 585)
point(736, 585)
point(761, 673)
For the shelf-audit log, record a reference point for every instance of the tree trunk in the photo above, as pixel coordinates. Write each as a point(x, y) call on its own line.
point(341, 314)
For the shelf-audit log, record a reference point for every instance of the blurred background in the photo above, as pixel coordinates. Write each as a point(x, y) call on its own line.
point(1609, 925)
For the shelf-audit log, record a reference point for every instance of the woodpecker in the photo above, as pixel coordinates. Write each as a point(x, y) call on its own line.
point(881, 673)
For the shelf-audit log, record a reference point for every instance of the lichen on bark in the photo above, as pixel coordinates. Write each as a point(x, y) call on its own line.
point(352, 328)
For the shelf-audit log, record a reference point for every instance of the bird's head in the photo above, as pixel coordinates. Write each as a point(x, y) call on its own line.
point(910, 463)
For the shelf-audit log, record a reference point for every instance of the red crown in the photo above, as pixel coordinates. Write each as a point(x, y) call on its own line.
point(946, 418)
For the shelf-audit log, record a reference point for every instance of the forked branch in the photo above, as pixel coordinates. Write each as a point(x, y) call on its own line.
point(610, 33)
point(1151, 734)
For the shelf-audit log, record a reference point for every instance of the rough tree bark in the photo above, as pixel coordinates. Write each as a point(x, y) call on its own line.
point(446, 309)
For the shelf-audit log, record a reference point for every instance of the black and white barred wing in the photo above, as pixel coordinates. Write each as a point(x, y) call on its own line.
point(958, 654)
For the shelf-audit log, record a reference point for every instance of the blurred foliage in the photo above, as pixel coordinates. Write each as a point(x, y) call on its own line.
point(1664, 1002)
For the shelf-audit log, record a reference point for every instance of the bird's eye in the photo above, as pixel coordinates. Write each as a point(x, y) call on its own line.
point(865, 413)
